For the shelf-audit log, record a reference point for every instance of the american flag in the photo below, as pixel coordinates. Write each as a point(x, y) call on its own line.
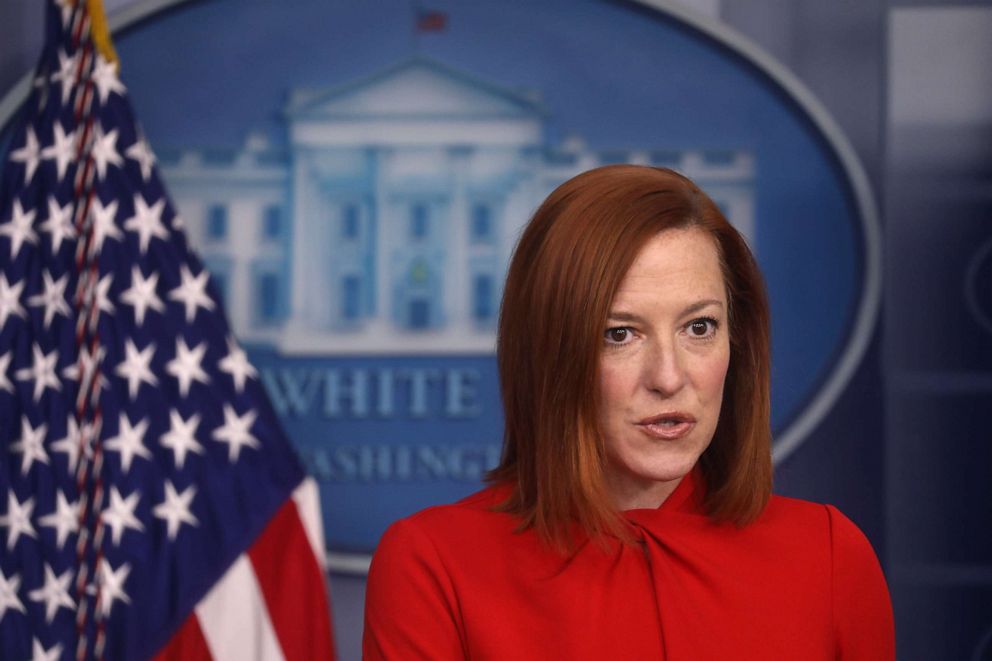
point(150, 505)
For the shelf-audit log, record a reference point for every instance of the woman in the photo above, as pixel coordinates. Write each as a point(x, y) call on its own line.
point(631, 516)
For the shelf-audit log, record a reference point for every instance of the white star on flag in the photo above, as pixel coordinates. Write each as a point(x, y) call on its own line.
point(103, 303)
point(147, 221)
point(29, 154)
point(10, 303)
point(104, 152)
point(136, 367)
point(192, 292)
point(66, 75)
point(141, 295)
point(65, 9)
point(74, 442)
point(142, 154)
point(62, 149)
point(181, 437)
point(103, 223)
point(65, 519)
point(119, 515)
point(31, 446)
point(18, 228)
point(174, 510)
point(8, 594)
point(39, 653)
point(236, 432)
point(59, 223)
point(5, 383)
point(55, 592)
point(17, 519)
point(42, 371)
point(88, 363)
point(236, 364)
point(105, 78)
point(186, 365)
point(111, 585)
point(54, 297)
point(128, 441)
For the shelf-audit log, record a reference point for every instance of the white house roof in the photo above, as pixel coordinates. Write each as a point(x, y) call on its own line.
point(419, 87)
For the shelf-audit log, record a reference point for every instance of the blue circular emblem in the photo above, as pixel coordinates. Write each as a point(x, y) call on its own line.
point(356, 185)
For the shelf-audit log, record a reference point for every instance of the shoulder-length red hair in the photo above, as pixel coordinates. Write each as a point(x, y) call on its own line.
point(565, 271)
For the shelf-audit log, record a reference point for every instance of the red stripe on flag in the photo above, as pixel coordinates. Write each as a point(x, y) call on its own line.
point(294, 587)
point(187, 645)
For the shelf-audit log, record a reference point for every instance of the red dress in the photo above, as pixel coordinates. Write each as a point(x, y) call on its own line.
point(802, 582)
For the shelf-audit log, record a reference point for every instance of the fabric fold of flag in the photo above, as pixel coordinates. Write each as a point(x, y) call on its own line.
point(150, 504)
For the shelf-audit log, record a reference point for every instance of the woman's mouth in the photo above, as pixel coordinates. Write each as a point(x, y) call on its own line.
point(668, 426)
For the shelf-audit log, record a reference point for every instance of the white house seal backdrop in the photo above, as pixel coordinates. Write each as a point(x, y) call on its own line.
point(355, 178)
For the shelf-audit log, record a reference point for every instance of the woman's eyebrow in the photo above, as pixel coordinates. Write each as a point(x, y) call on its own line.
point(622, 315)
point(699, 305)
point(619, 315)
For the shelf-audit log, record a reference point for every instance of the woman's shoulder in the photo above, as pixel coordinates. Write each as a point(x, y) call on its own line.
point(421, 565)
point(862, 610)
point(479, 506)
point(851, 552)
point(470, 518)
point(796, 511)
point(817, 523)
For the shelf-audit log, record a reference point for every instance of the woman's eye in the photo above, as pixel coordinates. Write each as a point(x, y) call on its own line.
point(619, 335)
point(702, 328)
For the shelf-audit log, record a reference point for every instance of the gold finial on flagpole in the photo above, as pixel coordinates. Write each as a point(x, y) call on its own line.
point(100, 31)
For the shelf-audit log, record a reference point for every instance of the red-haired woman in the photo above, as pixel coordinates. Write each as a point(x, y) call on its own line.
point(631, 516)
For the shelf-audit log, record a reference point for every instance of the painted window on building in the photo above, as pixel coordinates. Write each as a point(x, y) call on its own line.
point(220, 283)
point(482, 224)
point(420, 313)
point(419, 221)
point(272, 222)
point(268, 296)
point(217, 222)
point(666, 157)
point(351, 297)
point(613, 156)
point(720, 157)
point(220, 276)
point(350, 221)
point(482, 297)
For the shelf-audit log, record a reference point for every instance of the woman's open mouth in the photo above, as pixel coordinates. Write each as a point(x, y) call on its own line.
point(668, 426)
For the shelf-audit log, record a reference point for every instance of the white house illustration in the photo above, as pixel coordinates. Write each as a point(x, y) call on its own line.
point(386, 225)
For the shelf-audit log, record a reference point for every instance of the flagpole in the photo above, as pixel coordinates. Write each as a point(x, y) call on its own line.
point(100, 32)
point(88, 27)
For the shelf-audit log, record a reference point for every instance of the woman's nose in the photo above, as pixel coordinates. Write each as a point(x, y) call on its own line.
point(664, 370)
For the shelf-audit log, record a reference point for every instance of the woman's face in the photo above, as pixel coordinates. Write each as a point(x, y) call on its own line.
point(664, 359)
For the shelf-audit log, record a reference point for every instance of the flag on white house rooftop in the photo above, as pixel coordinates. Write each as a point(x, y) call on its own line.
point(150, 504)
